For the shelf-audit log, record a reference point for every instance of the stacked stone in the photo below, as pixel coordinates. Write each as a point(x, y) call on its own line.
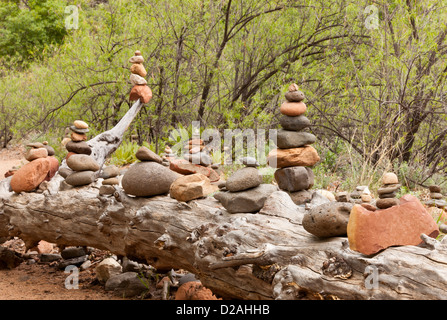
point(244, 191)
point(110, 179)
point(78, 159)
point(41, 167)
point(436, 197)
point(194, 152)
point(140, 90)
point(295, 156)
point(148, 177)
point(387, 193)
point(195, 160)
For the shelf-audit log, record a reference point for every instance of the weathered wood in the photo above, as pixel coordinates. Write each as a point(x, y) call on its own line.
point(267, 255)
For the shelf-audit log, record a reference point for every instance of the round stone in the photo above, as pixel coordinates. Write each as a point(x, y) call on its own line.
point(390, 178)
point(435, 189)
point(287, 139)
point(79, 124)
point(144, 179)
point(294, 96)
point(293, 109)
point(36, 153)
point(81, 178)
point(78, 147)
point(387, 203)
point(294, 123)
point(82, 162)
point(244, 179)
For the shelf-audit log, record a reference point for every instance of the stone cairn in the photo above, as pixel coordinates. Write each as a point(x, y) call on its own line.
point(436, 197)
point(81, 166)
point(40, 169)
point(244, 192)
point(387, 193)
point(140, 90)
point(295, 156)
point(195, 160)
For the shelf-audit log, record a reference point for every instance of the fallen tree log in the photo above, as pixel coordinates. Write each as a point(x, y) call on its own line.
point(267, 255)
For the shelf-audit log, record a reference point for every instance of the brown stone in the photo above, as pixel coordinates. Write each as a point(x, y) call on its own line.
point(54, 167)
point(138, 68)
point(196, 142)
point(185, 167)
point(305, 156)
point(36, 153)
point(389, 178)
point(190, 187)
point(28, 177)
point(77, 137)
point(194, 290)
point(293, 109)
point(386, 203)
point(142, 92)
point(79, 124)
point(372, 231)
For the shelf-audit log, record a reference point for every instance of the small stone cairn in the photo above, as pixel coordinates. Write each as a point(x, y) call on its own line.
point(83, 166)
point(140, 90)
point(295, 156)
point(387, 193)
point(244, 191)
point(436, 197)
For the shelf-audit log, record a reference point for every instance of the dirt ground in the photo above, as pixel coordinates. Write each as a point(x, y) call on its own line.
point(41, 281)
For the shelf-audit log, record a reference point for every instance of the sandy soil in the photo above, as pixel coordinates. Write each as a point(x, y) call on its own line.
point(41, 281)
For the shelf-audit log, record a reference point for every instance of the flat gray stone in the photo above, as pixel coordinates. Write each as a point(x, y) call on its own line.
point(247, 201)
point(287, 139)
point(244, 179)
point(294, 123)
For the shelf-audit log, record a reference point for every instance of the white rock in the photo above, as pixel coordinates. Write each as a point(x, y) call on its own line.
point(136, 79)
point(107, 268)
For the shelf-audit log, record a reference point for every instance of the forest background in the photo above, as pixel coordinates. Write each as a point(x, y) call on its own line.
point(373, 73)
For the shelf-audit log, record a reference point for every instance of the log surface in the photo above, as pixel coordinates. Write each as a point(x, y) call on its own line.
point(267, 255)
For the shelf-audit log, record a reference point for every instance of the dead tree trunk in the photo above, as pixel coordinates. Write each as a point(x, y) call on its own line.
point(267, 255)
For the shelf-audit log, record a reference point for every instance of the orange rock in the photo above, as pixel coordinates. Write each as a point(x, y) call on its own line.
point(69, 155)
point(142, 92)
point(183, 166)
point(293, 109)
point(305, 156)
point(28, 177)
point(54, 167)
point(78, 137)
point(138, 68)
point(194, 290)
point(372, 231)
point(44, 247)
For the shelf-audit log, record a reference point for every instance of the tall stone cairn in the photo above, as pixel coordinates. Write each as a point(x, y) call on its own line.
point(294, 156)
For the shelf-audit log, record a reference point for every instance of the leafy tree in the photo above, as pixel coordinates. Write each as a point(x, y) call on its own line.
point(29, 29)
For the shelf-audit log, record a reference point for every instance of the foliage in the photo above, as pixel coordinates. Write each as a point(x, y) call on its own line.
point(375, 96)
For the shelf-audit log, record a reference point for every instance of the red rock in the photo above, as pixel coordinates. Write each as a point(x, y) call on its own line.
point(293, 109)
point(194, 290)
point(142, 92)
point(28, 177)
point(54, 167)
point(69, 155)
point(372, 231)
point(305, 156)
point(185, 167)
